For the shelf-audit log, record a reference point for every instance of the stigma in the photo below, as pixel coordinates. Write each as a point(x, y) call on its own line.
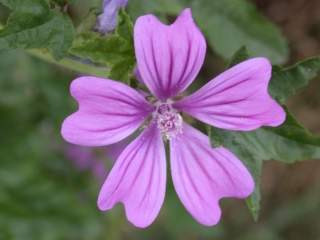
point(168, 120)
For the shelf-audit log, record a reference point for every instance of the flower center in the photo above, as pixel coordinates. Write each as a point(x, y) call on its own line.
point(168, 120)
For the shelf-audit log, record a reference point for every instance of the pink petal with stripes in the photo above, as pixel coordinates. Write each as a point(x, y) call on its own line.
point(237, 99)
point(203, 175)
point(169, 57)
point(138, 179)
point(108, 112)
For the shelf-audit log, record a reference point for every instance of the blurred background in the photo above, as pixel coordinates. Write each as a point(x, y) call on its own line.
point(48, 188)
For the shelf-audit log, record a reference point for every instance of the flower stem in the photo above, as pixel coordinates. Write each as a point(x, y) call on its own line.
point(71, 64)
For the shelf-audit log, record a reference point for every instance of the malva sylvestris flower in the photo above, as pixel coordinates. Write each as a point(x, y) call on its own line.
point(168, 59)
point(107, 21)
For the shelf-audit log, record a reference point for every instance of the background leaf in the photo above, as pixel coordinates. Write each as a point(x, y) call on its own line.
point(287, 81)
point(32, 24)
point(42, 195)
point(230, 24)
point(114, 51)
point(159, 7)
point(239, 56)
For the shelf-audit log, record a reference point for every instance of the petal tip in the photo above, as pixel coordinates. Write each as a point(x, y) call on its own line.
point(185, 17)
point(210, 221)
point(69, 132)
point(279, 116)
point(209, 218)
point(263, 63)
point(187, 13)
point(101, 206)
point(149, 18)
point(139, 223)
point(77, 85)
point(102, 203)
point(263, 60)
point(65, 131)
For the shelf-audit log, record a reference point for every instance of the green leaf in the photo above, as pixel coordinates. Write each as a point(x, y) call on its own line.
point(239, 56)
point(288, 143)
point(89, 21)
point(158, 7)
point(62, 2)
point(31, 6)
point(253, 202)
point(125, 27)
point(230, 24)
point(122, 70)
point(32, 24)
point(115, 51)
point(216, 141)
point(287, 81)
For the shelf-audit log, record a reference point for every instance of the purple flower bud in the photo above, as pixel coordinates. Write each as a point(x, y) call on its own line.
point(107, 21)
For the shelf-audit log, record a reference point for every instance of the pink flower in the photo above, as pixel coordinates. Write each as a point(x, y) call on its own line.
point(169, 58)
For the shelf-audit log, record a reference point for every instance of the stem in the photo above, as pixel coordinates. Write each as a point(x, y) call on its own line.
point(71, 64)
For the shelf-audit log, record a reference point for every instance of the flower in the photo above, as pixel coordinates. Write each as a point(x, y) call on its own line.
point(107, 21)
point(168, 59)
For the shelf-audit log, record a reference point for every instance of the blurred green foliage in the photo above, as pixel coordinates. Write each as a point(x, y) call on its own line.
point(32, 24)
point(42, 196)
point(115, 51)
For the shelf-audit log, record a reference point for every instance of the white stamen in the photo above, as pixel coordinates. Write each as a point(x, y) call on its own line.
point(169, 121)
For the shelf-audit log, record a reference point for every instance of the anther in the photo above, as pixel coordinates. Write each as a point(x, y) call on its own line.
point(168, 120)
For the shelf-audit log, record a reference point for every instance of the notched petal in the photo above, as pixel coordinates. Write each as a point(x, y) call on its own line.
point(138, 179)
point(203, 175)
point(169, 57)
point(237, 99)
point(108, 112)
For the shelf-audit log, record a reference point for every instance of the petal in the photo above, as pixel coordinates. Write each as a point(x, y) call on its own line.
point(169, 57)
point(237, 99)
point(108, 112)
point(138, 179)
point(202, 175)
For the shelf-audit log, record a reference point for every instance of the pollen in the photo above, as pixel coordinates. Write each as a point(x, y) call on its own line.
point(168, 120)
